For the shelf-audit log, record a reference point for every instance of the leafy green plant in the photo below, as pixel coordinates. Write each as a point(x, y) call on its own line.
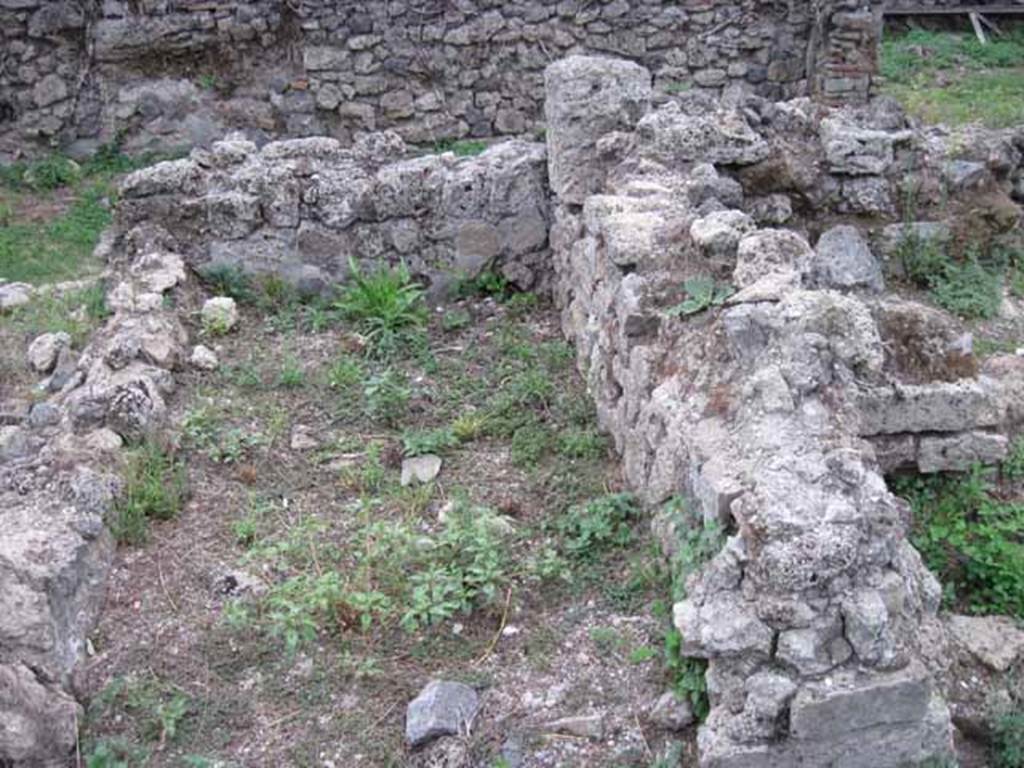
point(399, 577)
point(970, 539)
point(155, 486)
point(702, 293)
point(1013, 464)
point(599, 525)
point(697, 542)
point(419, 442)
point(582, 443)
point(386, 306)
point(1008, 741)
point(386, 396)
point(529, 443)
point(687, 674)
point(487, 283)
point(968, 288)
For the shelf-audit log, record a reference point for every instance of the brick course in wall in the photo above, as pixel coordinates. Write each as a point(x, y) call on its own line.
point(165, 73)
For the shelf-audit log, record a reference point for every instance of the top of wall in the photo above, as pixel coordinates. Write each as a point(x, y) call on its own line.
point(162, 74)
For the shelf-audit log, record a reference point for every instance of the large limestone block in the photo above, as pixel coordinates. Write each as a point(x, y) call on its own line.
point(586, 98)
point(939, 407)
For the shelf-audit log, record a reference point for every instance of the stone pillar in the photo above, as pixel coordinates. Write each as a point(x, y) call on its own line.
point(845, 51)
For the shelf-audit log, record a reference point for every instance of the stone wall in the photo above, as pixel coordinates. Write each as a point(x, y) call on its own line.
point(164, 74)
point(770, 410)
point(304, 210)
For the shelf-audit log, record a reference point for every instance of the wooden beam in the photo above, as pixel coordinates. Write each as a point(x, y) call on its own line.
point(978, 31)
point(997, 10)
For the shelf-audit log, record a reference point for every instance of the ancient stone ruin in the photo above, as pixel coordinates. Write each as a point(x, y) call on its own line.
point(776, 412)
point(170, 75)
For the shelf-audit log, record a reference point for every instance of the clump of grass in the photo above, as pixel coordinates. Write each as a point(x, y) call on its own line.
point(460, 147)
point(155, 487)
point(385, 306)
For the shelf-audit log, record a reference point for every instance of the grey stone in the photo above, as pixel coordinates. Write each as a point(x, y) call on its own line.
point(995, 641)
point(583, 726)
point(842, 259)
point(442, 708)
point(959, 452)
point(587, 97)
point(219, 314)
point(204, 358)
point(43, 352)
point(420, 469)
point(14, 295)
point(672, 712)
point(852, 150)
point(719, 233)
point(672, 136)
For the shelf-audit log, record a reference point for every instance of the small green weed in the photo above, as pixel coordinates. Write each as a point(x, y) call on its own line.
point(1013, 464)
point(419, 442)
point(386, 396)
point(461, 147)
point(702, 293)
point(228, 280)
point(292, 375)
point(155, 486)
point(1008, 741)
point(386, 306)
point(529, 444)
point(346, 375)
point(687, 674)
point(602, 524)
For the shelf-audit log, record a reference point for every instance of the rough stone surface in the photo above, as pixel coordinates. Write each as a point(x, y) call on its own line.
point(431, 71)
point(219, 314)
point(843, 260)
point(44, 350)
point(301, 209)
point(420, 469)
point(811, 615)
point(442, 708)
point(588, 97)
point(996, 641)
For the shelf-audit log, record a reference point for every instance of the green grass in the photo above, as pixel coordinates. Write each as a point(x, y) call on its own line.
point(155, 487)
point(461, 147)
point(76, 313)
point(970, 538)
point(57, 248)
point(954, 79)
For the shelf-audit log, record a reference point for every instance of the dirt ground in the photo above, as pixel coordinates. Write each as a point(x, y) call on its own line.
point(172, 681)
